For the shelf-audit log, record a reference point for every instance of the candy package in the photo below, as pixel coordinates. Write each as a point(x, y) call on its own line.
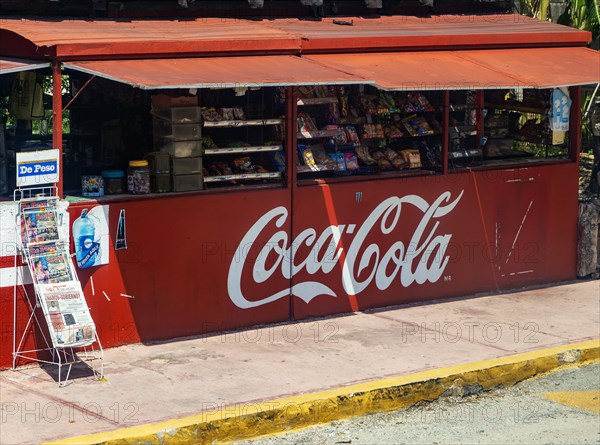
point(227, 114)
point(351, 161)
point(362, 151)
point(411, 158)
point(246, 165)
point(238, 113)
point(345, 111)
point(210, 114)
point(306, 155)
point(381, 160)
point(352, 134)
point(305, 123)
point(417, 126)
point(278, 159)
point(393, 131)
point(339, 160)
point(371, 131)
point(333, 114)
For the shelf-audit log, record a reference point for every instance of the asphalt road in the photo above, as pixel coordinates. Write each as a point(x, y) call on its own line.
point(522, 414)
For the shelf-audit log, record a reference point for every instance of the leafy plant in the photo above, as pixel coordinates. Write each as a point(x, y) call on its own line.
point(582, 14)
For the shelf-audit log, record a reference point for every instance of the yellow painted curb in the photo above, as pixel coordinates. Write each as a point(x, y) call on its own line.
point(249, 420)
point(583, 400)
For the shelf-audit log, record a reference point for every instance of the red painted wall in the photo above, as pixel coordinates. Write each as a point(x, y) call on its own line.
point(529, 215)
point(181, 250)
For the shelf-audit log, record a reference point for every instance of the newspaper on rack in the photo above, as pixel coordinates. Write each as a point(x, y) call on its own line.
point(67, 314)
point(50, 263)
point(58, 290)
point(39, 221)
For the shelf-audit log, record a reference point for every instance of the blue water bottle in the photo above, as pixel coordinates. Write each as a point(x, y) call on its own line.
point(86, 250)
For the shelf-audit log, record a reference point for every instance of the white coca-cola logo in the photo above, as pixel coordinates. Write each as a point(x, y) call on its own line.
point(422, 259)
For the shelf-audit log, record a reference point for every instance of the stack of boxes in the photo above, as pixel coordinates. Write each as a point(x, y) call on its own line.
point(159, 164)
point(177, 132)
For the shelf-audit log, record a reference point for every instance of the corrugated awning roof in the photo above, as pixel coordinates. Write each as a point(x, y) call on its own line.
point(426, 33)
point(466, 70)
point(541, 67)
point(216, 72)
point(97, 39)
point(8, 66)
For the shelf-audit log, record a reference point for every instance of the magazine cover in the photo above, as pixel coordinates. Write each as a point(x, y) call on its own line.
point(49, 263)
point(38, 221)
point(67, 314)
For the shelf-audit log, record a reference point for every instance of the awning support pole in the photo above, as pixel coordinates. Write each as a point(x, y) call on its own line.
point(445, 126)
point(79, 92)
point(291, 133)
point(575, 123)
point(57, 135)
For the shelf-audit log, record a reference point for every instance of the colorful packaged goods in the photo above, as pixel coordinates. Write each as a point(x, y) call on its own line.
point(362, 151)
point(371, 131)
point(350, 161)
point(411, 158)
point(417, 126)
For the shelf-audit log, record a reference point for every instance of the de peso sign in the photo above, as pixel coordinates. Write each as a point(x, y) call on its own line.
point(38, 168)
point(422, 257)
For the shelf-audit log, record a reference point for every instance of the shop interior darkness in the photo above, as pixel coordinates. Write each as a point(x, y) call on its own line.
point(342, 131)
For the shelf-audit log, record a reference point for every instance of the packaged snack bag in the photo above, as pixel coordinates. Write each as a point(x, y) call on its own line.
point(412, 158)
point(362, 151)
point(227, 114)
point(351, 161)
point(278, 160)
point(210, 114)
point(352, 134)
point(307, 156)
point(238, 113)
point(339, 160)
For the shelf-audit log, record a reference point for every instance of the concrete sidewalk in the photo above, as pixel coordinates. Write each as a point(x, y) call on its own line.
point(147, 384)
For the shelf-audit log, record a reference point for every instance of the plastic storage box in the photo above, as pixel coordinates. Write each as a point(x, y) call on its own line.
point(178, 132)
point(179, 115)
point(187, 166)
point(182, 149)
point(186, 183)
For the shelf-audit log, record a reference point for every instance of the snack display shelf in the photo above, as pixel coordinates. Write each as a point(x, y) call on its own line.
point(245, 123)
point(465, 107)
point(359, 120)
point(315, 134)
point(315, 168)
point(389, 111)
point(253, 149)
point(516, 107)
point(467, 129)
point(464, 154)
point(318, 101)
point(401, 137)
point(242, 176)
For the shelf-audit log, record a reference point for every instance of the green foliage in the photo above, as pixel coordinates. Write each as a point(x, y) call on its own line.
point(583, 14)
point(539, 150)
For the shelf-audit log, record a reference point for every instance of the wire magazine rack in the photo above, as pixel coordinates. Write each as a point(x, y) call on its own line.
point(70, 336)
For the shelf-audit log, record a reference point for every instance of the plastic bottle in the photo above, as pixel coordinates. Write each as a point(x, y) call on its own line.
point(86, 249)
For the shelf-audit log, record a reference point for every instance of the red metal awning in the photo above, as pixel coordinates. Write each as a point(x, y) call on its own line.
point(8, 66)
point(73, 39)
point(216, 72)
point(541, 67)
point(477, 69)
